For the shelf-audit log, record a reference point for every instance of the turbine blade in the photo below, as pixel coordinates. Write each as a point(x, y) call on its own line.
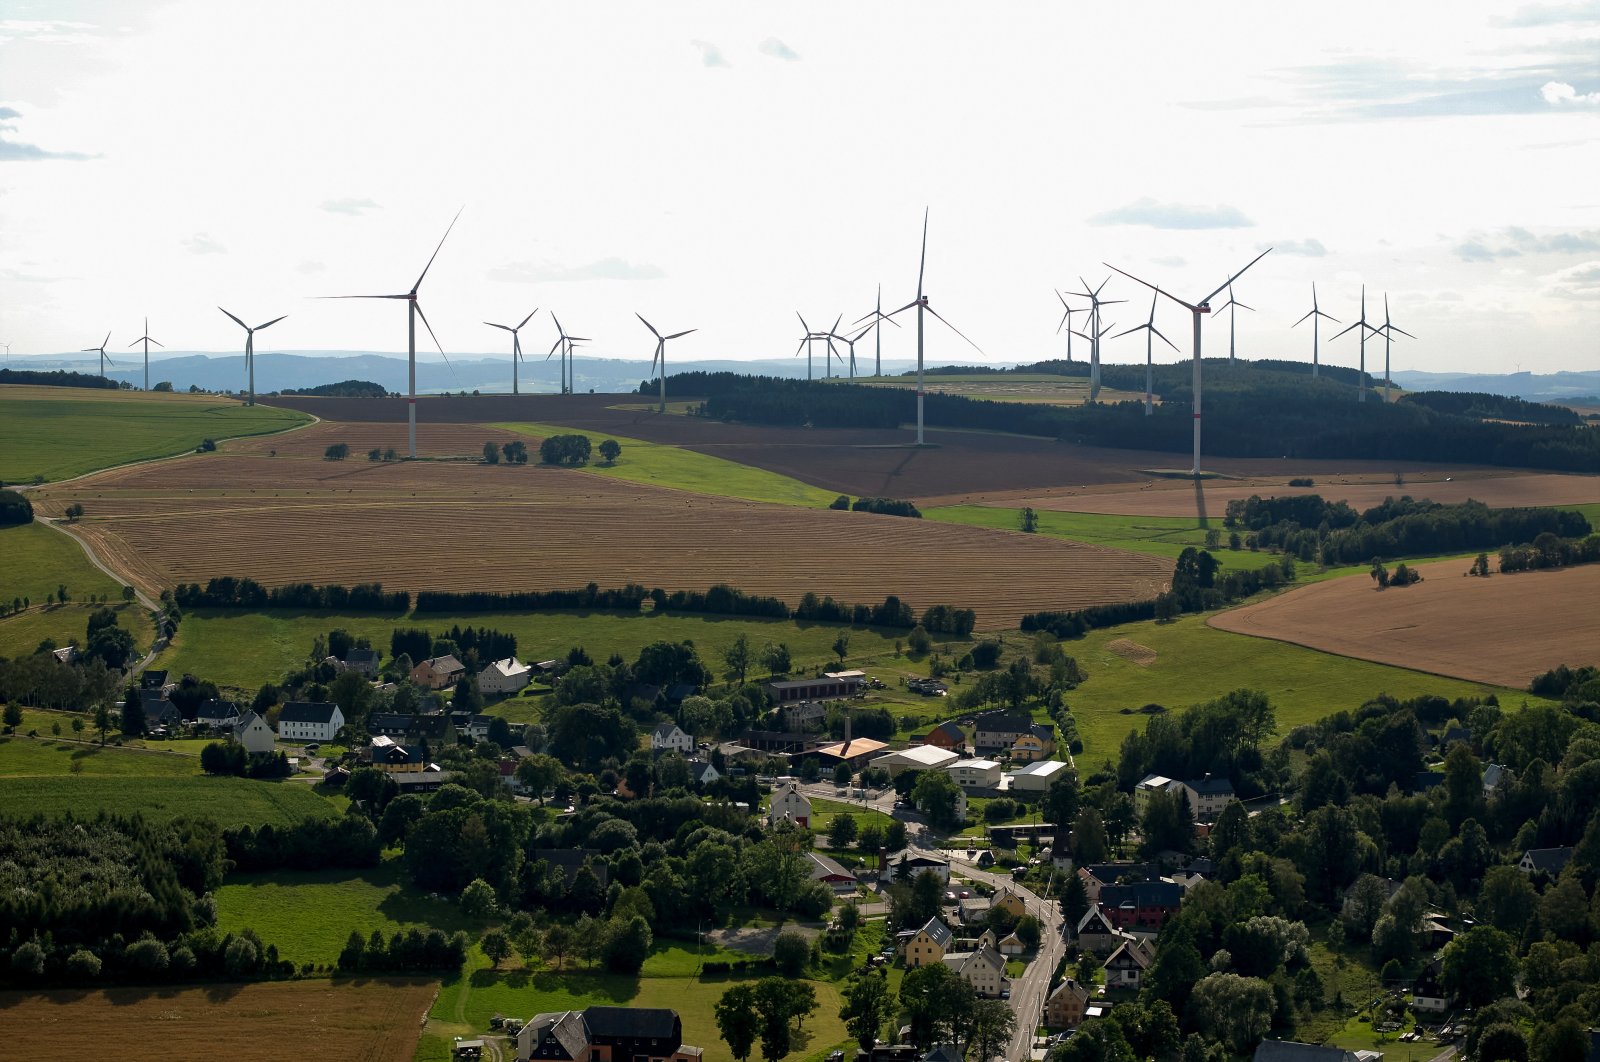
point(407, 295)
point(956, 330)
point(156, 343)
point(435, 338)
point(1309, 313)
point(1164, 339)
point(1237, 275)
point(902, 309)
point(648, 325)
point(528, 318)
point(923, 261)
point(269, 324)
point(435, 254)
point(506, 328)
point(1187, 306)
point(1402, 331)
point(1342, 331)
point(675, 335)
point(1131, 331)
point(235, 320)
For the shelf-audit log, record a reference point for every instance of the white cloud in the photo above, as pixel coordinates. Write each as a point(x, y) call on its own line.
point(310, 267)
point(778, 50)
point(1159, 215)
point(600, 269)
point(1559, 93)
point(1575, 282)
point(1513, 241)
point(202, 243)
point(710, 54)
point(348, 206)
point(1307, 248)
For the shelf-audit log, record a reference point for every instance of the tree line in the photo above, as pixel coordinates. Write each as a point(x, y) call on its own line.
point(58, 378)
point(229, 591)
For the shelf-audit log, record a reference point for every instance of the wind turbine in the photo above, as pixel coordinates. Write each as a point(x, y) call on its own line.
point(877, 316)
point(250, 349)
point(1149, 372)
point(1233, 306)
point(812, 336)
point(1095, 331)
point(921, 305)
point(1197, 309)
point(1066, 323)
point(1314, 314)
point(1361, 380)
point(851, 343)
point(564, 343)
point(516, 345)
point(145, 339)
point(101, 350)
point(661, 354)
point(1388, 331)
point(413, 311)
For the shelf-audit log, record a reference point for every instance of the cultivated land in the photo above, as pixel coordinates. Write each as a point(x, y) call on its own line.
point(1037, 388)
point(367, 1020)
point(59, 432)
point(464, 525)
point(1505, 629)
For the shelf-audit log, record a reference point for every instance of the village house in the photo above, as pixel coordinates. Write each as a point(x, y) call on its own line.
point(388, 755)
point(669, 737)
point(1098, 875)
point(1039, 743)
point(1208, 796)
point(309, 721)
point(1096, 933)
point(804, 715)
point(1064, 1007)
point(606, 1034)
point(1009, 902)
point(975, 774)
point(984, 970)
point(254, 734)
point(790, 805)
point(831, 873)
point(1289, 1051)
point(1549, 861)
point(906, 864)
point(946, 736)
point(1494, 776)
point(1149, 785)
point(925, 946)
point(363, 662)
point(504, 676)
point(1126, 967)
point(474, 728)
point(437, 672)
point(703, 771)
point(996, 732)
point(1428, 995)
point(1037, 777)
point(216, 714)
point(1142, 904)
point(67, 654)
point(916, 758)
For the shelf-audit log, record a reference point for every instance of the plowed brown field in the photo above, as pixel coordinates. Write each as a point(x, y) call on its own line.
point(1502, 630)
point(366, 1021)
point(442, 525)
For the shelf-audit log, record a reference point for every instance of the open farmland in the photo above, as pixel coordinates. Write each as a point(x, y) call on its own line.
point(59, 432)
point(363, 1021)
point(1038, 388)
point(1505, 629)
point(230, 801)
point(459, 526)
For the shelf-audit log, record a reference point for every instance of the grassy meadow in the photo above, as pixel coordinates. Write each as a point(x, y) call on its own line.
point(61, 432)
point(22, 632)
point(230, 801)
point(663, 465)
point(80, 754)
point(1034, 388)
point(246, 649)
point(35, 560)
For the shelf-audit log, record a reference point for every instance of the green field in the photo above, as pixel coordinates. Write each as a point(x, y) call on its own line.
point(823, 812)
point(247, 649)
point(59, 433)
point(229, 801)
point(309, 914)
point(35, 560)
point(25, 757)
point(1196, 663)
point(680, 469)
point(1030, 387)
point(22, 632)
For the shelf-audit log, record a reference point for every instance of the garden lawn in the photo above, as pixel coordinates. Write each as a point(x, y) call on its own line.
point(228, 801)
point(61, 432)
point(823, 812)
point(310, 914)
point(246, 649)
point(1195, 663)
point(672, 466)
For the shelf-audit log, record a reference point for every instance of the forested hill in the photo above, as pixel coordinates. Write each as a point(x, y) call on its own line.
point(1250, 411)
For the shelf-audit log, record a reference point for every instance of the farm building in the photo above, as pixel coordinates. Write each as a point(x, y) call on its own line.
point(830, 687)
point(975, 774)
point(831, 873)
point(254, 734)
point(309, 721)
point(945, 736)
point(606, 1034)
point(438, 672)
point(504, 676)
point(669, 737)
point(916, 758)
point(856, 753)
point(1037, 777)
point(789, 805)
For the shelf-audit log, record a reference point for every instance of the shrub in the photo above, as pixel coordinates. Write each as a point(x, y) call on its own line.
point(336, 452)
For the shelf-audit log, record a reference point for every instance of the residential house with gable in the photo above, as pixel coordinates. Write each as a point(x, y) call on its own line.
point(504, 676)
point(790, 805)
point(309, 721)
point(1126, 967)
point(606, 1034)
point(984, 970)
point(927, 945)
point(1208, 796)
point(252, 731)
point(1039, 743)
point(996, 732)
point(947, 736)
point(437, 672)
point(1064, 1007)
point(669, 737)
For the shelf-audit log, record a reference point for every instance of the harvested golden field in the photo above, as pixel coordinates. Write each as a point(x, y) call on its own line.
point(1502, 630)
point(365, 1021)
point(1177, 497)
point(441, 525)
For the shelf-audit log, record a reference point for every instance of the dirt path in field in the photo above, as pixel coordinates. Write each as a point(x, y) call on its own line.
point(1502, 630)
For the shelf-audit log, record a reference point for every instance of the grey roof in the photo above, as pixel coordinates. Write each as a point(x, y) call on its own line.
point(1289, 1051)
point(1110, 873)
point(960, 960)
point(446, 664)
point(950, 730)
point(1142, 894)
point(1133, 951)
point(361, 656)
point(1003, 722)
point(1493, 775)
point(938, 932)
point(212, 708)
point(307, 712)
point(1211, 786)
point(1549, 860)
point(633, 1023)
point(1042, 732)
point(1094, 920)
point(943, 1053)
point(663, 731)
point(566, 1028)
point(824, 867)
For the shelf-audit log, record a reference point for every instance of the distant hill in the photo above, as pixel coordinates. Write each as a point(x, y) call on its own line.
point(1535, 387)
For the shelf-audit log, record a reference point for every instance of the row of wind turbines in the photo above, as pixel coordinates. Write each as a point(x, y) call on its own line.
point(874, 319)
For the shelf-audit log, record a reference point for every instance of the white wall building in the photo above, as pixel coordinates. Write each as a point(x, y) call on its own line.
point(976, 774)
point(1038, 777)
point(504, 676)
point(669, 737)
point(309, 721)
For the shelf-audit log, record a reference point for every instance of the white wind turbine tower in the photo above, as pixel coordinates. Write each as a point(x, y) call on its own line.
point(921, 305)
point(815, 336)
point(1315, 314)
point(877, 317)
point(1149, 327)
point(145, 339)
point(661, 354)
point(1233, 306)
point(1197, 310)
point(564, 343)
point(414, 311)
point(851, 342)
point(250, 350)
point(516, 345)
point(1361, 379)
point(1388, 331)
point(1066, 323)
point(1095, 331)
point(101, 350)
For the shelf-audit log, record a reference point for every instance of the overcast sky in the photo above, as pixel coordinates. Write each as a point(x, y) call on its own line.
point(722, 165)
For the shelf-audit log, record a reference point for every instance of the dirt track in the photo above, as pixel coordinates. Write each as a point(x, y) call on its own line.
point(1503, 630)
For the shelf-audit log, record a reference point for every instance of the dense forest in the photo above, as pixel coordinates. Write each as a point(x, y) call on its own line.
point(58, 378)
point(342, 389)
point(1252, 410)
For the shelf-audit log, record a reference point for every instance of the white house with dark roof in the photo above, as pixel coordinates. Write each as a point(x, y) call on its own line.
point(1208, 796)
point(1126, 967)
point(669, 737)
point(362, 662)
point(309, 721)
point(791, 805)
point(254, 734)
point(1550, 861)
point(504, 676)
point(906, 864)
point(984, 970)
